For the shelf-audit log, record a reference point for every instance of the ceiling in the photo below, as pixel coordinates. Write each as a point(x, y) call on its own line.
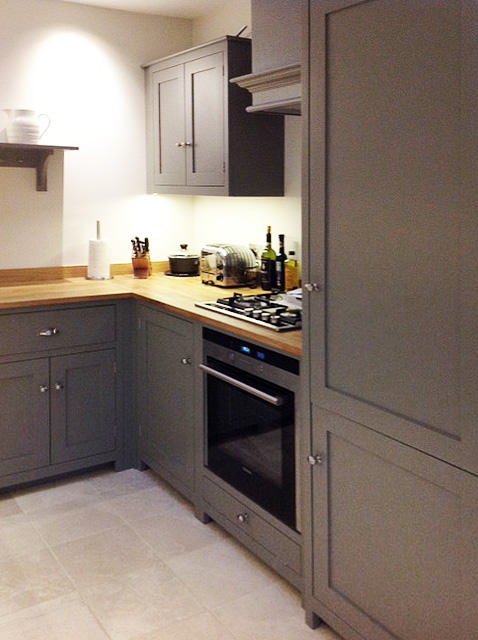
point(176, 8)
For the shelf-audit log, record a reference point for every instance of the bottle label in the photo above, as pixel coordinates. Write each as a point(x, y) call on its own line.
point(268, 273)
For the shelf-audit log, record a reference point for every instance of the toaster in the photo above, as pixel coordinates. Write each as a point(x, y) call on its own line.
point(228, 265)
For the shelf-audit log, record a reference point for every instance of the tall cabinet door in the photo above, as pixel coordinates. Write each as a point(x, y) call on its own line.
point(165, 391)
point(24, 416)
point(393, 219)
point(205, 118)
point(169, 136)
point(83, 405)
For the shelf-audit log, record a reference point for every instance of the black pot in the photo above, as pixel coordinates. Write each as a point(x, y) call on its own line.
point(184, 265)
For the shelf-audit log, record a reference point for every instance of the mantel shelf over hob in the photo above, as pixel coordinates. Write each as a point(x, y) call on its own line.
point(32, 156)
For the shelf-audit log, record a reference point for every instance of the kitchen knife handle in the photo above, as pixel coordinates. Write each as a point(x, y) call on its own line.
point(46, 333)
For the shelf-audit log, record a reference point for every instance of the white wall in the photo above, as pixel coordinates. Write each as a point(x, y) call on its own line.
point(244, 220)
point(227, 21)
point(81, 65)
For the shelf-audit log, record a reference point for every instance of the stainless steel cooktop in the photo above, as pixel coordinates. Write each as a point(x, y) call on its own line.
point(274, 311)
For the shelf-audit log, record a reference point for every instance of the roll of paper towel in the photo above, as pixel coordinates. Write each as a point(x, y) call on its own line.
point(98, 260)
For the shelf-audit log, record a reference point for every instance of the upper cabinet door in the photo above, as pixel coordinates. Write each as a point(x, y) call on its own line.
point(168, 126)
point(205, 133)
point(393, 229)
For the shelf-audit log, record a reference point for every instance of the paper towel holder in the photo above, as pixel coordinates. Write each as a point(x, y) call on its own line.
point(98, 258)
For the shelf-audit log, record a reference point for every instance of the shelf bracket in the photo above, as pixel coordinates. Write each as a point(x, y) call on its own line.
point(29, 156)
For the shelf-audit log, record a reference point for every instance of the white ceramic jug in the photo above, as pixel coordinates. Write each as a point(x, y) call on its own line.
point(24, 125)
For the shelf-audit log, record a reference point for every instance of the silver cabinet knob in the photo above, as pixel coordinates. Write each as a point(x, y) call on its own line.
point(180, 144)
point(186, 360)
point(188, 144)
point(43, 388)
point(59, 386)
point(46, 333)
point(311, 286)
point(313, 460)
point(243, 517)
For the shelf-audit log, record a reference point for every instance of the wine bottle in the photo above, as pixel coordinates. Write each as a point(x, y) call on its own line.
point(280, 264)
point(268, 264)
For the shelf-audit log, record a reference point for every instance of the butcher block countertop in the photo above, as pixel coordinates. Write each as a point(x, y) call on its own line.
point(176, 295)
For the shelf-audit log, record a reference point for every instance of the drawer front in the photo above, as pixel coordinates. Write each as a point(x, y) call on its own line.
point(286, 550)
point(45, 330)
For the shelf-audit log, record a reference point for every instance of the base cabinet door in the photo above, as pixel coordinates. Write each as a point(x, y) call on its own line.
point(24, 416)
point(83, 411)
point(165, 395)
point(394, 544)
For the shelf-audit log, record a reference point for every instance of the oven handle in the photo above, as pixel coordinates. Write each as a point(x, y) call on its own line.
point(277, 401)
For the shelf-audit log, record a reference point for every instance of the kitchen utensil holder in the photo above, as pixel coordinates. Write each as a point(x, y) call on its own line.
point(142, 267)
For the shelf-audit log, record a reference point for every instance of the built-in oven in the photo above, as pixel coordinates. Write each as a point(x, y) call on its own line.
point(250, 418)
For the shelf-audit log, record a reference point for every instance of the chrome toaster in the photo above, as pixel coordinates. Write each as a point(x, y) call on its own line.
point(228, 265)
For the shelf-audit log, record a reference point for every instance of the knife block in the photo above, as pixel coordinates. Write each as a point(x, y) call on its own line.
point(142, 267)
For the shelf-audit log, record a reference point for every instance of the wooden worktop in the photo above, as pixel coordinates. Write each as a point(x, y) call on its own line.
point(176, 295)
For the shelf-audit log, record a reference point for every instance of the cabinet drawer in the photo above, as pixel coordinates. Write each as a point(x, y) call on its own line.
point(45, 330)
point(285, 549)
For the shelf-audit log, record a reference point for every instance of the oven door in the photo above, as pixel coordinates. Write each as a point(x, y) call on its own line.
point(251, 437)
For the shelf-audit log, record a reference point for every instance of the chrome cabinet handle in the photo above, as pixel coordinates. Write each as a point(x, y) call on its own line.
point(277, 401)
point(188, 144)
point(46, 333)
point(243, 517)
point(59, 386)
point(43, 388)
point(313, 460)
point(186, 360)
point(180, 144)
point(311, 286)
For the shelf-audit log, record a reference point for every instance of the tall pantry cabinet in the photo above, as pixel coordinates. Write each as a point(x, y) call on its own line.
point(392, 325)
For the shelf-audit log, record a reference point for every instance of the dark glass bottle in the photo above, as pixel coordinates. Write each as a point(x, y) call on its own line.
point(268, 264)
point(280, 264)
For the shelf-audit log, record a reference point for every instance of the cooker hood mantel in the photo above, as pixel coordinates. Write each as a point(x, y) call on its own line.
point(274, 90)
point(277, 36)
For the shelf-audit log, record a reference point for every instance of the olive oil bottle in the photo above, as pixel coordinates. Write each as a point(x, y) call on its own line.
point(268, 264)
point(292, 275)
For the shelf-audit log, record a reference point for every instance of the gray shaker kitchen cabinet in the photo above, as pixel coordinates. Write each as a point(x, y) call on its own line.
point(394, 547)
point(60, 400)
point(24, 416)
point(390, 329)
point(165, 396)
point(83, 405)
point(200, 140)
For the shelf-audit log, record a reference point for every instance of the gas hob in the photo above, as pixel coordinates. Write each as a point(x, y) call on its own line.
point(268, 310)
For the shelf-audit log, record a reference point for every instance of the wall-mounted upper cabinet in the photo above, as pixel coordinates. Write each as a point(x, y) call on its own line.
point(200, 140)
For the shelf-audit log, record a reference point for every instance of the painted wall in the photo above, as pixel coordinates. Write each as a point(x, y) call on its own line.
point(81, 65)
point(227, 21)
point(244, 220)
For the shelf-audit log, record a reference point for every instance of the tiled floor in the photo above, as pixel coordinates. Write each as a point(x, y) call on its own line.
point(120, 556)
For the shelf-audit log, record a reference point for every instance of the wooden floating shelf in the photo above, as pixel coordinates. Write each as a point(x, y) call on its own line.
point(31, 156)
